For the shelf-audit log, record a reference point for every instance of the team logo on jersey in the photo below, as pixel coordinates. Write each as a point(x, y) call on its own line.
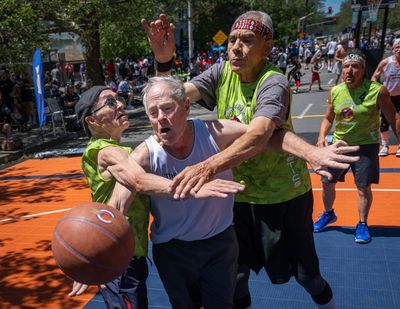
point(347, 114)
point(105, 216)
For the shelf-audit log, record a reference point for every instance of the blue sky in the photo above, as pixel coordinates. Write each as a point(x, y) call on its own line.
point(335, 4)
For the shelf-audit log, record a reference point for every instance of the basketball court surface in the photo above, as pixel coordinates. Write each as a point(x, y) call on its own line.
point(36, 193)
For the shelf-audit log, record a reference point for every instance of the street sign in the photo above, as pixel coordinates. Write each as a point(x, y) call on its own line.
point(220, 37)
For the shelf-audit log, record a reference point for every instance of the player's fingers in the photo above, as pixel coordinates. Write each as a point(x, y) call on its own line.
point(145, 25)
point(346, 149)
point(186, 187)
point(346, 159)
point(197, 186)
point(324, 173)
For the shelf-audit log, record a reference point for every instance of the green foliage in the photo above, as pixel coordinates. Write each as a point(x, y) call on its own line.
point(20, 31)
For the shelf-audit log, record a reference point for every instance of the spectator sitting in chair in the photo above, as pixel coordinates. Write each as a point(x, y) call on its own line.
point(70, 98)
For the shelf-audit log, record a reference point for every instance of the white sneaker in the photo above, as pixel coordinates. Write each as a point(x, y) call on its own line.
point(384, 151)
point(398, 152)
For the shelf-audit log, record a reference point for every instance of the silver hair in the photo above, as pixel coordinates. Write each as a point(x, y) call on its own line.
point(260, 16)
point(396, 41)
point(173, 84)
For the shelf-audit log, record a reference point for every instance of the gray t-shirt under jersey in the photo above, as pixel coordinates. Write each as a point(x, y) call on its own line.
point(272, 97)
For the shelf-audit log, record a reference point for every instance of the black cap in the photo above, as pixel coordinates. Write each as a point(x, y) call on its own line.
point(85, 104)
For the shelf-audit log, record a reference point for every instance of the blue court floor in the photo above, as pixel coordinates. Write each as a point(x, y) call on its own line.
point(361, 276)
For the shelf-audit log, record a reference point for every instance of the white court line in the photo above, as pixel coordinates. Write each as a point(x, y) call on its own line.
point(34, 215)
point(305, 111)
point(66, 209)
point(330, 81)
point(355, 189)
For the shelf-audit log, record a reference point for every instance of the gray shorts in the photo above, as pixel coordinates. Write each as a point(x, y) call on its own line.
point(365, 170)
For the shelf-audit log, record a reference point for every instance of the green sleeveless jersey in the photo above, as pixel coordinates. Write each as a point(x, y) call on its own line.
point(138, 214)
point(356, 113)
point(271, 177)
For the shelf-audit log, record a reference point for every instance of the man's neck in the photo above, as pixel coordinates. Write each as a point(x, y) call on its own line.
point(252, 75)
point(183, 147)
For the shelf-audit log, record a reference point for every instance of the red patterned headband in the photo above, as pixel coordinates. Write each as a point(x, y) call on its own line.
point(255, 26)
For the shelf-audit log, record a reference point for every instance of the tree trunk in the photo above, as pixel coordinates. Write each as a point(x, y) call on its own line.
point(93, 67)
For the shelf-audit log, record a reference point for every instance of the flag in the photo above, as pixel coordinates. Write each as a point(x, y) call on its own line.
point(38, 84)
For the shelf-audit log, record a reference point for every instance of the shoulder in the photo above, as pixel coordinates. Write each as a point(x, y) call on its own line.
point(141, 154)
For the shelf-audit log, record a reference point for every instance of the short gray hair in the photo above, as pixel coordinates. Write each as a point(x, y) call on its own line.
point(259, 15)
point(173, 84)
point(396, 41)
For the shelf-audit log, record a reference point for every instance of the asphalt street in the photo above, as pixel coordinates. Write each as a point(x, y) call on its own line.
point(307, 111)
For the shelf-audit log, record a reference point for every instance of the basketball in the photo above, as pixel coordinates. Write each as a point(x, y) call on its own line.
point(93, 243)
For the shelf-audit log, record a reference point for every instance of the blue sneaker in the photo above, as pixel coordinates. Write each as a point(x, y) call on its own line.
point(324, 220)
point(362, 233)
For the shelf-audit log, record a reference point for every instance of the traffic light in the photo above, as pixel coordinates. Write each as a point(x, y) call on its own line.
point(329, 10)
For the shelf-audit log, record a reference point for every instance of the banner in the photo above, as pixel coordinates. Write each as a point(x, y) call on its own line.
point(38, 83)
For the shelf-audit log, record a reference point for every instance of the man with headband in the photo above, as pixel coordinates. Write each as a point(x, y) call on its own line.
point(354, 105)
point(273, 217)
point(388, 71)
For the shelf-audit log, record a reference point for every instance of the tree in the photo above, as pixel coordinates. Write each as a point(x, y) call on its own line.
point(20, 31)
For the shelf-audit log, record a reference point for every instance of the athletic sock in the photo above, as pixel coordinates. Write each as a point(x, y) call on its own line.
point(385, 138)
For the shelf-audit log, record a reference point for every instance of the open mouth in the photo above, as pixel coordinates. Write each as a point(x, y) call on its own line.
point(120, 116)
point(165, 130)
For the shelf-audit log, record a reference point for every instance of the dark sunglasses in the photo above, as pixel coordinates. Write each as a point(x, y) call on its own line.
point(112, 103)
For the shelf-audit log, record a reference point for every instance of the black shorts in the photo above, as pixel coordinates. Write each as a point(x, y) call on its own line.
point(278, 237)
point(384, 123)
point(200, 272)
point(365, 170)
point(331, 56)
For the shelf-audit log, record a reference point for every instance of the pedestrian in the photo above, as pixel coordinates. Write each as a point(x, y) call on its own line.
point(354, 106)
point(273, 216)
point(388, 71)
point(296, 74)
point(315, 75)
point(340, 53)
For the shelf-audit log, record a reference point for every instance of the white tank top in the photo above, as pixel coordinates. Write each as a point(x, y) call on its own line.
point(189, 219)
point(391, 77)
point(332, 47)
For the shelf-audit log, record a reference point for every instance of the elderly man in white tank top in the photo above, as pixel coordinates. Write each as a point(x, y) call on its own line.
point(388, 71)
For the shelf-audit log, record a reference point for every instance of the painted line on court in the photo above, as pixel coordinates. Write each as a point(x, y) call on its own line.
point(305, 111)
point(355, 189)
point(34, 215)
point(307, 116)
point(330, 81)
point(53, 176)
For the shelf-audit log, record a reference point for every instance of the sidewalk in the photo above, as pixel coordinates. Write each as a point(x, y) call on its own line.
point(37, 140)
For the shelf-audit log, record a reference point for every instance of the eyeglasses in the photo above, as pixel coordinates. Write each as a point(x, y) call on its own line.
point(111, 102)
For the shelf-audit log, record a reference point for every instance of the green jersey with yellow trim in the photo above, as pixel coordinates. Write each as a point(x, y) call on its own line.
point(138, 213)
point(271, 177)
point(356, 113)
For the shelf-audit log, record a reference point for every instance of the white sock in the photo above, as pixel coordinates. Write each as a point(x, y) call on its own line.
point(385, 138)
point(330, 305)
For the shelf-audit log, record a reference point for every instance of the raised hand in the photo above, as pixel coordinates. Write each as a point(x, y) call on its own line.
point(160, 34)
point(191, 179)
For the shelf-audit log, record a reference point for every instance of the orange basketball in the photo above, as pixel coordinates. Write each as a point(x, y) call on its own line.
point(93, 243)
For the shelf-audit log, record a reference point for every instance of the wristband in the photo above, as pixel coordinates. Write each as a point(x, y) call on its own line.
point(165, 66)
